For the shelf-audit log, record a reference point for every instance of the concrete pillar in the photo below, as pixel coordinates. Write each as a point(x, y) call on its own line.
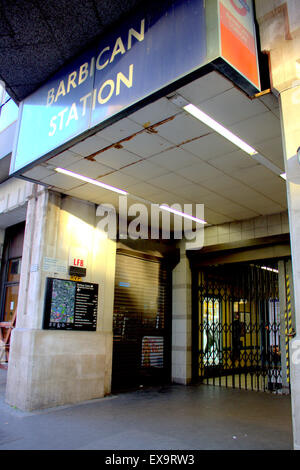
point(279, 24)
point(290, 112)
point(182, 320)
point(49, 367)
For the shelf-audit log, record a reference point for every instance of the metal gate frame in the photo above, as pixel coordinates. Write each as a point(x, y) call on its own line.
point(257, 368)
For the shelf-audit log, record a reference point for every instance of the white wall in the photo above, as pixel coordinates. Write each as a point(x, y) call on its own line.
point(48, 367)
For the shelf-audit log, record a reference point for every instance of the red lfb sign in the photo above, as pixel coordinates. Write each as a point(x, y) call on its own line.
point(78, 262)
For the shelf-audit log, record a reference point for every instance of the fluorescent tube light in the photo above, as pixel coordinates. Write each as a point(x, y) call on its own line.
point(182, 214)
point(90, 180)
point(198, 114)
point(269, 269)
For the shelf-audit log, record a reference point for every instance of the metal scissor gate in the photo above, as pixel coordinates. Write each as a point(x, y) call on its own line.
point(239, 326)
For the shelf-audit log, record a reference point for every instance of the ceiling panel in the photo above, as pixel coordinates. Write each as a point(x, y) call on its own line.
point(200, 172)
point(174, 159)
point(276, 112)
point(209, 146)
point(265, 209)
point(240, 106)
point(39, 172)
point(169, 181)
point(275, 190)
point(237, 213)
point(251, 175)
point(120, 180)
point(155, 112)
point(228, 207)
point(143, 189)
point(89, 168)
point(233, 162)
point(226, 183)
point(205, 87)
point(146, 144)
point(64, 159)
point(257, 129)
point(85, 191)
point(182, 128)
point(61, 181)
point(244, 195)
point(145, 170)
point(90, 145)
point(107, 197)
point(273, 150)
point(253, 200)
point(120, 130)
point(221, 204)
point(167, 197)
point(193, 192)
point(116, 158)
point(270, 101)
point(215, 218)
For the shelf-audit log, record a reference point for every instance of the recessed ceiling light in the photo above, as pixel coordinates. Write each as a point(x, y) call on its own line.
point(270, 269)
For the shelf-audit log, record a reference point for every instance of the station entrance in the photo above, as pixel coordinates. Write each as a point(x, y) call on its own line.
point(242, 327)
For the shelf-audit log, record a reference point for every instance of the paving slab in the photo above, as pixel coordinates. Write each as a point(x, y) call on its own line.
point(173, 417)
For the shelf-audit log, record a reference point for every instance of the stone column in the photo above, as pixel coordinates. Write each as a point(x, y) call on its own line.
point(182, 321)
point(279, 24)
point(49, 367)
point(290, 113)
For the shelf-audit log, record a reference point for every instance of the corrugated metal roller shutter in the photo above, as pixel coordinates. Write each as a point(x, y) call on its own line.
point(141, 323)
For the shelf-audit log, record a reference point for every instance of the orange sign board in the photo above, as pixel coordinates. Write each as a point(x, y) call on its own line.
point(238, 40)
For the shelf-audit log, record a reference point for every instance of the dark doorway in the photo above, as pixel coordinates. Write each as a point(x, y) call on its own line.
point(10, 279)
point(141, 323)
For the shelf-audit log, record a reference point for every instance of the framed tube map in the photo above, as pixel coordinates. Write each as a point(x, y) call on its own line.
point(70, 305)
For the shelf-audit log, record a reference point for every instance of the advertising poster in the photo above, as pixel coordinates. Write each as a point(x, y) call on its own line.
point(152, 351)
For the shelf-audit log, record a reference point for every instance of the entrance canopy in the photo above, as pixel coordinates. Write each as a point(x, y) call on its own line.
point(163, 154)
point(150, 114)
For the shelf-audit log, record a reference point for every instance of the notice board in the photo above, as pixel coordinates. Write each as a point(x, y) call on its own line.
point(70, 305)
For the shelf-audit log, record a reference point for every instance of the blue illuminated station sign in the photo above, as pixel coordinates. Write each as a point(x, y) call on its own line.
point(149, 51)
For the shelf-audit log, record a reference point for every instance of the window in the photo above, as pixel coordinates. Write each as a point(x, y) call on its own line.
point(11, 270)
point(8, 110)
point(11, 289)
